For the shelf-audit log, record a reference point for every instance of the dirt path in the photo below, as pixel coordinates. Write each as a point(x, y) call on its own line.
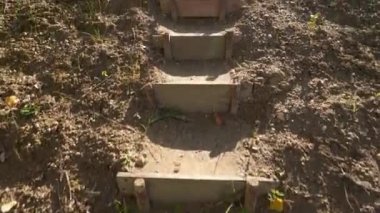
point(198, 147)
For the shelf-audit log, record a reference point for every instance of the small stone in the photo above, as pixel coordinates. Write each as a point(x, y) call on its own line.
point(137, 116)
point(280, 116)
point(177, 166)
point(254, 149)
point(378, 156)
point(176, 169)
point(7, 207)
point(140, 162)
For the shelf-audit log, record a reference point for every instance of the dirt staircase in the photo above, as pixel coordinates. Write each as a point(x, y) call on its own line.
point(195, 79)
point(195, 67)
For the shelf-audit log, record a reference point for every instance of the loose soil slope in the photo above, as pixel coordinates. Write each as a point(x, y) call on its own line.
point(316, 99)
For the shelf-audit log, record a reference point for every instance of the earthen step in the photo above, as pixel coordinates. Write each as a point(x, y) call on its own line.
point(195, 87)
point(195, 46)
point(199, 8)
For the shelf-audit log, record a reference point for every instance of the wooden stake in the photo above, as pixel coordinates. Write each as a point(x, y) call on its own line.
point(167, 47)
point(158, 41)
point(251, 194)
point(234, 103)
point(229, 43)
point(222, 10)
point(174, 10)
point(149, 93)
point(141, 195)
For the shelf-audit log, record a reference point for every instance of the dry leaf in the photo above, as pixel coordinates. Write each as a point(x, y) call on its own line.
point(277, 204)
point(7, 207)
point(12, 101)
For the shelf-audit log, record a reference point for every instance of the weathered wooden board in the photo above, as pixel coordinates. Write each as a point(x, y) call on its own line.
point(196, 97)
point(169, 189)
point(196, 46)
point(173, 188)
point(200, 8)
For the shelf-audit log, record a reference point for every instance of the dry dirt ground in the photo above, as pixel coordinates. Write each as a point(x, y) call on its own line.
point(313, 118)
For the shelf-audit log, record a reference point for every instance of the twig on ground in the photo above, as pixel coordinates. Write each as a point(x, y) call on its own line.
point(217, 162)
point(68, 185)
point(5, 6)
point(15, 128)
point(365, 187)
point(58, 195)
point(17, 154)
point(229, 208)
point(289, 204)
point(151, 153)
point(347, 199)
point(134, 33)
point(97, 85)
point(247, 165)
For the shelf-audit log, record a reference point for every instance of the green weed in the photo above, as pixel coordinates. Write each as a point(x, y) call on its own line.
point(104, 73)
point(25, 17)
point(96, 35)
point(121, 207)
point(351, 101)
point(29, 110)
point(93, 7)
point(315, 21)
point(166, 113)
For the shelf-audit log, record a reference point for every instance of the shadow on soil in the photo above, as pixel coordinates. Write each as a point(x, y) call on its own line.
point(212, 69)
point(96, 157)
point(29, 165)
point(200, 132)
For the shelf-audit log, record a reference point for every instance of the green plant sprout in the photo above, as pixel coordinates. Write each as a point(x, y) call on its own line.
point(314, 21)
point(29, 110)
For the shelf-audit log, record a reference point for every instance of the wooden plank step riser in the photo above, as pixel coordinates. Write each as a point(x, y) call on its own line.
point(174, 188)
point(206, 98)
point(199, 8)
point(196, 46)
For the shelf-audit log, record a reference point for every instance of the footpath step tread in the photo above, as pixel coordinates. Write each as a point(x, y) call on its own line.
point(197, 146)
point(195, 87)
